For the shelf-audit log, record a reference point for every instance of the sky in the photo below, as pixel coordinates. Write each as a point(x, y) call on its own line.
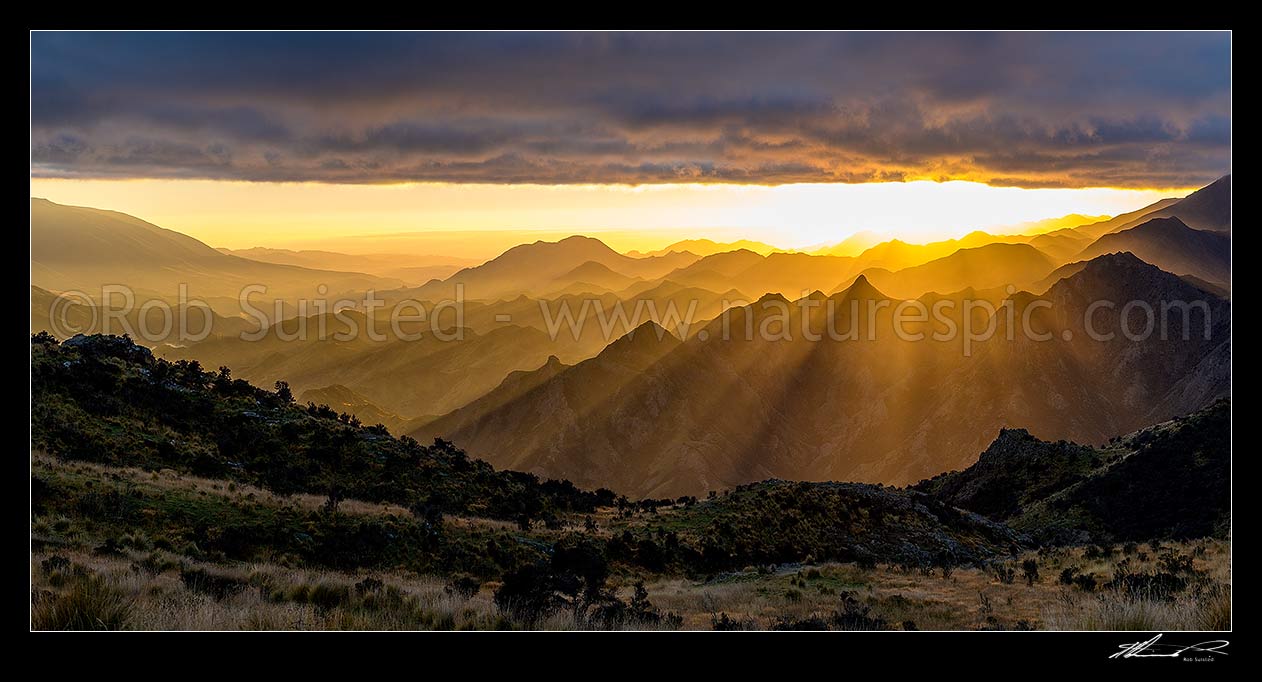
point(645, 217)
point(800, 138)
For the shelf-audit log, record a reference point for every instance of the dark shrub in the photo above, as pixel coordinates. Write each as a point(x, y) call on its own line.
point(463, 586)
point(1161, 585)
point(855, 615)
point(54, 563)
point(724, 623)
point(808, 623)
point(1085, 582)
point(1030, 569)
point(217, 586)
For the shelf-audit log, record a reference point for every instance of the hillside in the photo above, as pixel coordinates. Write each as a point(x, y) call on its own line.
point(410, 269)
point(708, 247)
point(343, 399)
point(1169, 481)
point(1173, 246)
point(106, 402)
point(1208, 208)
point(536, 266)
point(1118, 222)
point(81, 248)
point(981, 267)
point(394, 372)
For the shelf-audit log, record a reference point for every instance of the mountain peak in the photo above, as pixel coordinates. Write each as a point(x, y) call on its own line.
point(578, 239)
point(649, 340)
point(649, 333)
point(1163, 224)
point(862, 289)
point(1117, 259)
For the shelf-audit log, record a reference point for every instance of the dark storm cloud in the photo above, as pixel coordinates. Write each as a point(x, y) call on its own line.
point(1135, 109)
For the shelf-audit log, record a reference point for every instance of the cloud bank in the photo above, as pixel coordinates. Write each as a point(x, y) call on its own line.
point(1019, 109)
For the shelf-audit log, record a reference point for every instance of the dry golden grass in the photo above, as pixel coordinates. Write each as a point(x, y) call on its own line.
point(144, 590)
point(968, 599)
point(168, 479)
point(152, 596)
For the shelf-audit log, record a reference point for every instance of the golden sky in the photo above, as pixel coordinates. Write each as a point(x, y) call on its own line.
point(238, 214)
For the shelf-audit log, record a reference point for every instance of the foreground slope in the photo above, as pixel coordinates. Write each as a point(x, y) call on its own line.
point(108, 402)
point(1170, 481)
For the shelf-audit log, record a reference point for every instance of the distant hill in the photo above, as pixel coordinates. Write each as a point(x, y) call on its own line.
point(81, 248)
point(1038, 227)
point(420, 373)
point(590, 274)
point(1208, 208)
point(980, 267)
point(1061, 245)
point(1118, 222)
point(793, 274)
point(411, 269)
point(1173, 246)
point(707, 247)
point(343, 399)
point(851, 246)
point(64, 316)
point(536, 266)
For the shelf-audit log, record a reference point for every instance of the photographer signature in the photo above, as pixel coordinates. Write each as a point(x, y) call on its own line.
point(1152, 649)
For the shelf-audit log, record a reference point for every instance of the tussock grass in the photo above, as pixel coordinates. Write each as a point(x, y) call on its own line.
point(88, 603)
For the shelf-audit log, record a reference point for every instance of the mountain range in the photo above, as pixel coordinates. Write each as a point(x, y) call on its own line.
point(653, 395)
point(678, 417)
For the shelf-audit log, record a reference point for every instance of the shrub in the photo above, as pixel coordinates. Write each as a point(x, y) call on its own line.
point(1030, 569)
point(218, 586)
point(724, 623)
point(855, 615)
point(463, 586)
point(1161, 586)
point(1004, 573)
point(54, 563)
point(1173, 562)
point(808, 623)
